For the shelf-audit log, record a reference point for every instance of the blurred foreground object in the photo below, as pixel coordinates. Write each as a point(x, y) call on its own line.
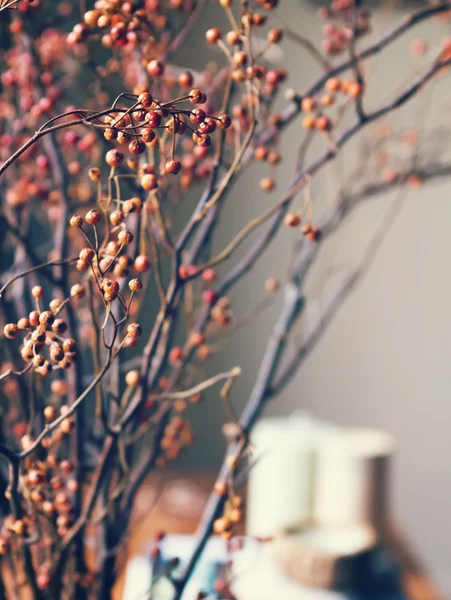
point(320, 500)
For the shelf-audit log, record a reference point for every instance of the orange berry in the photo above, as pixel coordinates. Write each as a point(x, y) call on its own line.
point(333, 84)
point(308, 104)
point(309, 122)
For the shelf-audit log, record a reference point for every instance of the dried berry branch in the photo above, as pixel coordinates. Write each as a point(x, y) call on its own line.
point(141, 271)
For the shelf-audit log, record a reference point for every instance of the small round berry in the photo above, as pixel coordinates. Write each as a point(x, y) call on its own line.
point(314, 234)
point(93, 217)
point(48, 508)
point(46, 318)
point(23, 323)
point(203, 352)
point(77, 291)
point(114, 158)
point(261, 153)
point(59, 387)
point(110, 286)
point(221, 525)
point(76, 221)
point(86, 255)
point(271, 285)
point(267, 184)
point(137, 147)
point(125, 237)
point(18, 527)
point(45, 370)
point(323, 123)
point(142, 263)
point(147, 134)
point(196, 96)
point(72, 485)
point(81, 265)
point(37, 291)
point(59, 326)
point(197, 338)
point(69, 345)
point(11, 331)
point(308, 104)
point(175, 355)
point(122, 138)
point(155, 68)
point(233, 38)
point(153, 118)
point(66, 466)
point(117, 217)
point(209, 296)
point(27, 353)
point(292, 220)
point(55, 304)
point(110, 134)
point(326, 100)
point(135, 285)
point(185, 80)
point(220, 488)
point(34, 318)
point(213, 35)
point(132, 378)
point(275, 36)
point(145, 99)
point(50, 413)
point(197, 116)
point(333, 84)
point(274, 158)
point(94, 174)
point(209, 275)
point(149, 182)
point(224, 121)
point(173, 166)
point(134, 330)
point(38, 336)
point(354, 89)
point(309, 122)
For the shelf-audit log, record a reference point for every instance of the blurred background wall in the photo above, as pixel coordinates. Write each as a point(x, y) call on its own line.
point(385, 359)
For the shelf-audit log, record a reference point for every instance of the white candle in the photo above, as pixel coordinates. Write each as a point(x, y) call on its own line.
point(280, 482)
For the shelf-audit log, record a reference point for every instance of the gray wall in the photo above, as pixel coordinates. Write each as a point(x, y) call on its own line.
point(385, 359)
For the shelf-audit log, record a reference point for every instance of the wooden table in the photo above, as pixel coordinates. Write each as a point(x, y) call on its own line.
point(174, 502)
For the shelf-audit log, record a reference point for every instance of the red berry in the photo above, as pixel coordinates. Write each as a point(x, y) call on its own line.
point(209, 296)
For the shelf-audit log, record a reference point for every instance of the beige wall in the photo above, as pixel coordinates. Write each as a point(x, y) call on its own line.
point(385, 360)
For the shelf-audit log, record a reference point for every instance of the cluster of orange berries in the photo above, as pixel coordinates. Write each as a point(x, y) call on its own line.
point(49, 486)
point(110, 258)
point(232, 514)
point(43, 347)
point(294, 220)
point(244, 67)
point(343, 25)
point(178, 434)
point(137, 127)
point(123, 23)
point(334, 85)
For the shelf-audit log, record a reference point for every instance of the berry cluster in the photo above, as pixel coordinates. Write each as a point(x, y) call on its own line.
point(130, 23)
point(233, 511)
point(344, 26)
point(43, 346)
point(137, 128)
